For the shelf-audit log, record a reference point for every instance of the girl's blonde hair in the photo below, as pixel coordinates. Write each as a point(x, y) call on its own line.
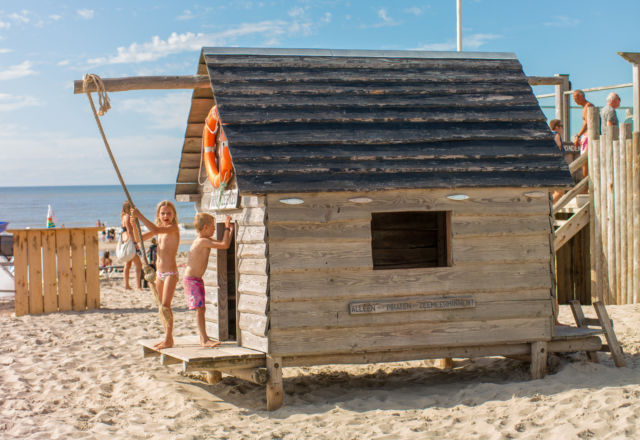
point(173, 208)
point(126, 208)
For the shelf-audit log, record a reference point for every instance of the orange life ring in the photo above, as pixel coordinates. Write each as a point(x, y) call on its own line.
point(222, 175)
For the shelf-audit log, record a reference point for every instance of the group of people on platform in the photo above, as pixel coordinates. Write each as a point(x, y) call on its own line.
point(571, 150)
point(163, 258)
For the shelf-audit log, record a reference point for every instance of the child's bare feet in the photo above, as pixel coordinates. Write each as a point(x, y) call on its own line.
point(167, 343)
point(209, 343)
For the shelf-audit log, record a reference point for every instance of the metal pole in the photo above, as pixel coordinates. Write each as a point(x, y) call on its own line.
point(459, 23)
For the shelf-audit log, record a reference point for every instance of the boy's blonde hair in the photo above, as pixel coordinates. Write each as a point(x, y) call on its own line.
point(173, 208)
point(203, 219)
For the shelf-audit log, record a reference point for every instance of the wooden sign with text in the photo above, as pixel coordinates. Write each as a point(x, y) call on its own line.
point(412, 304)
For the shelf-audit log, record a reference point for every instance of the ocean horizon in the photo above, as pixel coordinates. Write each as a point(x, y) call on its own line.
point(83, 205)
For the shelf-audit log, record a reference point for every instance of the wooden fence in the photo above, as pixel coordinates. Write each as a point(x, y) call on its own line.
point(614, 170)
point(56, 270)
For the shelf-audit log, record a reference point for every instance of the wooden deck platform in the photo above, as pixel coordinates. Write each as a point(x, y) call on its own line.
point(566, 333)
point(188, 352)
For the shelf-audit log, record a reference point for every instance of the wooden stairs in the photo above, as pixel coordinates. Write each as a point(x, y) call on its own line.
point(572, 202)
point(605, 326)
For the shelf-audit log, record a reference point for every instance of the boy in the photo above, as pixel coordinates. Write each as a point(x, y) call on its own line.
point(197, 265)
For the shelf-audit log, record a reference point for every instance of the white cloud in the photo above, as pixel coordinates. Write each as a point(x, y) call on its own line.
point(473, 41)
point(4, 50)
point(21, 17)
point(4, 24)
point(87, 14)
point(186, 15)
point(63, 63)
point(11, 102)
point(55, 17)
point(326, 18)
point(386, 20)
point(562, 21)
point(177, 43)
point(166, 112)
point(18, 71)
point(415, 10)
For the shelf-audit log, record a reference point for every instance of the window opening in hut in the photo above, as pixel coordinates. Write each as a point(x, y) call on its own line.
point(226, 269)
point(402, 240)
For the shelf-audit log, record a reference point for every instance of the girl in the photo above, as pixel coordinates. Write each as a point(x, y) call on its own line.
point(166, 228)
point(129, 228)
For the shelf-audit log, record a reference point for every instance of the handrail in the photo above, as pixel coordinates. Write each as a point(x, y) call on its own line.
point(565, 199)
point(576, 164)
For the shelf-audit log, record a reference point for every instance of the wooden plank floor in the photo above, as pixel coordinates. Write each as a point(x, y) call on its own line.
point(564, 333)
point(187, 350)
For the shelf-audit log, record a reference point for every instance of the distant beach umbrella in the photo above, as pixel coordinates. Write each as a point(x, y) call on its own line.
point(51, 218)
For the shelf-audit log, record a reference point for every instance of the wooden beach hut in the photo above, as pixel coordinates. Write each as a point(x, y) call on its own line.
point(391, 205)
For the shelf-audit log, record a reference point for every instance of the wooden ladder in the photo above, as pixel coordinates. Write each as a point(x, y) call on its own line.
point(603, 321)
point(568, 228)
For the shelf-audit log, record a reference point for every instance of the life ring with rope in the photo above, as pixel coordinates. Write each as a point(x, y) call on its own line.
point(219, 174)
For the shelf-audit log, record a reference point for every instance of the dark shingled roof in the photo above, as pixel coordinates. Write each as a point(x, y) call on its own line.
point(332, 120)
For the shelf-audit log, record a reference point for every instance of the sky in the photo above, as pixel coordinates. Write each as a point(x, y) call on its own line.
point(48, 135)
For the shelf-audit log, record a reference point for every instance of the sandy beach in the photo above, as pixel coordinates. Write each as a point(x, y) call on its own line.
point(82, 375)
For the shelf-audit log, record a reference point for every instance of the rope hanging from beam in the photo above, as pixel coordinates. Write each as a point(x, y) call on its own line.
point(105, 105)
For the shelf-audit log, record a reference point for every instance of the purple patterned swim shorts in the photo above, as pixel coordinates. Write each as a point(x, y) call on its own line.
point(194, 291)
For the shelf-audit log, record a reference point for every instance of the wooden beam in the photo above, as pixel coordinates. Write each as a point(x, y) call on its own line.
point(612, 340)
point(545, 80)
point(565, 199)
point(577, 164)
point(147, 83)
point(275, 388)
point(632, 57)
point(538, 359)
point(578, 221)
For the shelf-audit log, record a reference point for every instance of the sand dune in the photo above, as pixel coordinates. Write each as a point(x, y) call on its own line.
point(82, 375)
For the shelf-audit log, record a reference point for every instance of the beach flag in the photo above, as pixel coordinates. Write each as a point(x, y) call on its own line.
point(51, 218)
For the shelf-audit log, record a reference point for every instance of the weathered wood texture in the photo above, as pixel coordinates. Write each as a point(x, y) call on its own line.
point(615, 191)
point(56, 270)
point(146, 83)
point(250, 283)
point(573, 268)
point(320, 260)
point(375, 123)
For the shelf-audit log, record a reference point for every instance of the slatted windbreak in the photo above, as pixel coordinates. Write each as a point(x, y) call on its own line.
point(56, 270)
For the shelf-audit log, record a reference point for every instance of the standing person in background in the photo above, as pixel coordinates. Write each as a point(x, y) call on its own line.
point(128, 228)
point(556, 127)
point(152, 255)
point(581, 138)
point(608, 117)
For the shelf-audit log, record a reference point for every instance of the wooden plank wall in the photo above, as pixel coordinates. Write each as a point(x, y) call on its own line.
point(320, 260)
point(616, 279)
point(56, 270)
point(573, 268)
point(251, 274)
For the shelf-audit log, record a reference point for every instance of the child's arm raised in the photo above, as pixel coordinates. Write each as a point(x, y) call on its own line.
point(226, 239)
point(153, 228)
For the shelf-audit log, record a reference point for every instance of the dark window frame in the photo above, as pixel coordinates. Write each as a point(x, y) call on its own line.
point(411, 239)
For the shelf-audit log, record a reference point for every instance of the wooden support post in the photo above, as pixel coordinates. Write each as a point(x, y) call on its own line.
point(594, 173)
point(578, 316)
point(616, 218)
point(622, 222)
point(275, 389)
point(213, 377)
point(604, 268)
point(36, 301)
point(606, 145)
point(628, 214)
point(612, 341)
point(538, 359)
point(258, 375)
point(636, 215)
point(223, 287)
point(563, 105)
point(444, 363)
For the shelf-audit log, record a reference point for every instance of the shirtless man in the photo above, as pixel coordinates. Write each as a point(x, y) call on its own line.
point(166, 228)
point(581, 138)
point(197, 265)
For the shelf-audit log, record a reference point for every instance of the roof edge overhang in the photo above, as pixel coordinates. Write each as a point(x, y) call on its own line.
point(357, 53)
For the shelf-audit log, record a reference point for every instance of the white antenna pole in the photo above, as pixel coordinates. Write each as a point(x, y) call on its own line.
point(459, 11)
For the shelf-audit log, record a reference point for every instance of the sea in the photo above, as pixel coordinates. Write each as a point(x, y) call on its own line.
point(79, 206)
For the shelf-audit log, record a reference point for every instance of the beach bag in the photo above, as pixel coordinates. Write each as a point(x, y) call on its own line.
point(125, 250)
